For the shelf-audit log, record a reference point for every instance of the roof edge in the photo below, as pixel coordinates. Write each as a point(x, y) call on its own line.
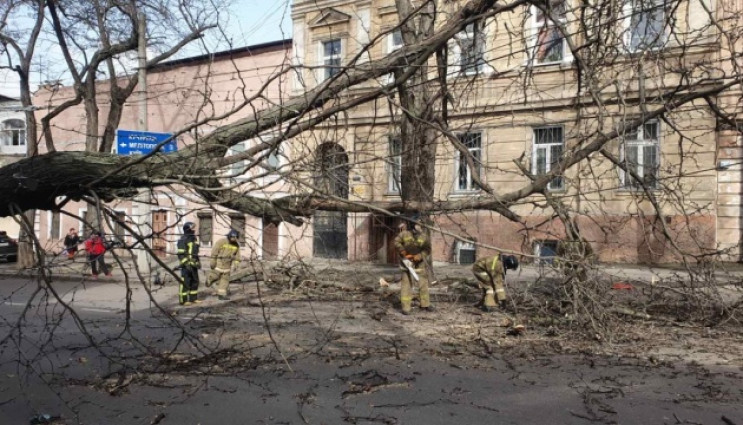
point(252, 49)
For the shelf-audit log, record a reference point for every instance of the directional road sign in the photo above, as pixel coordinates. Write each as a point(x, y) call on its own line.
point(143, 142)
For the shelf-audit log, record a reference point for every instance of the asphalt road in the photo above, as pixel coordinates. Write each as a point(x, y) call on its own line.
point(335, 366)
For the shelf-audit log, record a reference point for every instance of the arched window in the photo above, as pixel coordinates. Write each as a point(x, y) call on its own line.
point(13, 132)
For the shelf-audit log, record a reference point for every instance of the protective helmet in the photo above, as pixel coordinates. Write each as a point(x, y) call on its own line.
point(510, 262)
point(233, 234)
point(189, 227)
point(413, 220)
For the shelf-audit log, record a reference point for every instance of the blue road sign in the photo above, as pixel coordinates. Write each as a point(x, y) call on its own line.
point(143, 142)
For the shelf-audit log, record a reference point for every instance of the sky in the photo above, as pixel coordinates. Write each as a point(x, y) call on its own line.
point(247, 22)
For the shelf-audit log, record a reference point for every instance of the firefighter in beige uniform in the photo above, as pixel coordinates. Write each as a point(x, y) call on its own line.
point(225, 256)
point(415, 249)
point(491, 272)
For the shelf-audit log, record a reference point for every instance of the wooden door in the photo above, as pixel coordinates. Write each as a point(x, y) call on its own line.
point(159, 235)
point(270, 241)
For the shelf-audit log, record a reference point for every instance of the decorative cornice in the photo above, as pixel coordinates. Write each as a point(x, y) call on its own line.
point(329, 16)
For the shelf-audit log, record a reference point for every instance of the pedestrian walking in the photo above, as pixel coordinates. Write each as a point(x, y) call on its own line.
point(491, 274)
point(71, 241)
point(225, 257)
point(96, 250)
point(188, 255)
point(415, 250)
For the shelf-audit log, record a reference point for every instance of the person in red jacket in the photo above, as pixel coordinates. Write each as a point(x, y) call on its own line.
point(96, 250)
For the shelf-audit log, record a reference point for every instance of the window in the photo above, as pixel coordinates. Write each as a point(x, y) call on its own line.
point(394, 41)
point(54, 226)
point(237, 222)
point(465, 252)
point(548, 147)
point(644, 21)
point(206, 224)
point(639, 153)
point(331, 58)
point(13, 133)
point(119, 231)
point(237, 169)
point(473, 143)
point(394, 165)
point(470, 49)
point(545, 251)
point(82, 228)
point(549, 44)
point(270, 167)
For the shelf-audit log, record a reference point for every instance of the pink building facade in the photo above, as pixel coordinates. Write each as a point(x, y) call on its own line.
point(216, 89)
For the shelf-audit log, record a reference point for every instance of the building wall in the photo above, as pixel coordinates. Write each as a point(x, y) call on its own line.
point(182, 93)
point(701, 206)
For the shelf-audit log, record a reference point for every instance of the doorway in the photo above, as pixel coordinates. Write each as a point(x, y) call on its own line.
point(330, 228)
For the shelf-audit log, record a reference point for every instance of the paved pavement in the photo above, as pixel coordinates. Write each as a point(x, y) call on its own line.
point(726, 273)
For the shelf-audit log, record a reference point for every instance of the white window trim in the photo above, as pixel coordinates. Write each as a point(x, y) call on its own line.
point(389, 162)
point(390, 47)
point(458, 154)
point(126, 233)
point(623, 176)
point(49, 215)
point(548, 158)
point(81, 212)
point(198, 222)
point(260, 168)
point(454, 53)
point(530, 60)
point(321, 57)
point(627, 11)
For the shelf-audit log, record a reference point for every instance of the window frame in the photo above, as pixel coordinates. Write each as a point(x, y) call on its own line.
point(390, 47)
point(239, 218)
point(477, 40)
point(328, 72)
point(119, 232)
point(458, 164)
point(81, 213)
point(14, 130)
point(51, 217)
point(200, 216)
point(535, 29)
point(394, 165)
point(548, 155)
point(629, 12)
point(640, 142)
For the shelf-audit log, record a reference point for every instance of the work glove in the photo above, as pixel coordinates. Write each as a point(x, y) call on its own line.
point(417, 258)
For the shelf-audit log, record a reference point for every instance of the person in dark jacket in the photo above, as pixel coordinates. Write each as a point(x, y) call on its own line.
point(96, 251)
point(71, 241)
point(188, 256)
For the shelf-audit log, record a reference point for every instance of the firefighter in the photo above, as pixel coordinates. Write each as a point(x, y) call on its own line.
point(490, 273)
point(225, 257)
point(188, 255)
point(415, 250)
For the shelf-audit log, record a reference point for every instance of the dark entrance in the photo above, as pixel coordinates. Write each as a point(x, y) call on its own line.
point(330, 227)
point(384, 230)
point(270, 241)
point(159, 229)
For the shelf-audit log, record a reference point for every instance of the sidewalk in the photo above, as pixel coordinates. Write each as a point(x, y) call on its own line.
point(64, 269)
